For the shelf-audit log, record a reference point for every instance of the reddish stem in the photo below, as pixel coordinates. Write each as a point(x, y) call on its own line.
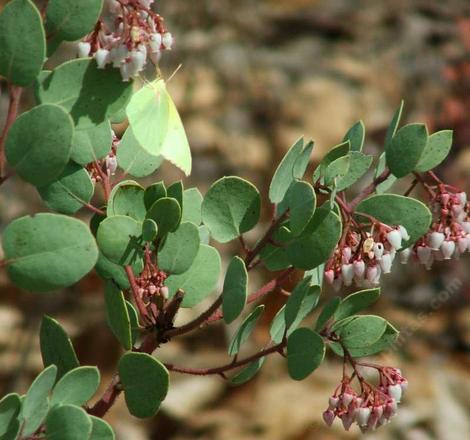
point(135, 292)
point(227, 367)
point(367, 191)
point(15, 96)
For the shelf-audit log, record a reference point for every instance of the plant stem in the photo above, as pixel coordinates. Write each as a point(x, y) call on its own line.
point(15, 96)
point(93, 209)
point(135, 292)
point(227, 367)
point(214, 314)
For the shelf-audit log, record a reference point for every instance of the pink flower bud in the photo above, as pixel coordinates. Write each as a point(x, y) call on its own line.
point(394, 238)
point(405, 255)
point(330, 276)
point(333, 402)
point(435, 240)
point(466, 227)
point(424, 254)
point(378, 250)
point(83, 49)
point(462, 196)
point(167, 40)
point(328, 417)
point(359, 268)
point(101, 57)
point(347, 272)
point(457, 209)
point(111, 164)
point(347, 419)
point(155, 42)
point(462, 244)
point(373, 274)
point(363, 416)
point(448, 248)
point(404, 233)
point(386, 263)
point(164, 292)
point(390, 409)
point(346, 399)
point(395, 392)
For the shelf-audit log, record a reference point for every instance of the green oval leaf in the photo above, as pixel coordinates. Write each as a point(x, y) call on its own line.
point(359, 164)
point(92, 143)
point(405, 149)
point(117, 315)
point(134, 159)
point(48, 251)
point(76, 387)
point(22, 42)
point(327, 312)
point(192, 206)
point(392, 128)
point(71, 20)
point(284, 175)
point(72, 189)
point(179, 249)
point(305, 353)
point(153, 193)
point(166, 213)
point(245, 330)
point(230, 208)
point(10, 406)
point(201, 278)
point(38, 144)
point(395, 210)
point(356, 302)
point(119, 239)
point(91, 95)
point(56, 347)
point(235, 290)
point(356, 135)
point(149, 230)
point(295, 300)
point(363, 331)
point(436, 150)
point(301, 201)
point(36, 402)
point(317, 241)
point(127, 198)
point(247, 373)
point(68, 422)
point(145, 382)
point(101, 430)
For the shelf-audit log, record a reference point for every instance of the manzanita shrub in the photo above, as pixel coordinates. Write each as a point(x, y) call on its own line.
point(152, 245)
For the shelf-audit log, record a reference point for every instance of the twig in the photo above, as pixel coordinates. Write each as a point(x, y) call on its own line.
point(15, 96)
point(135, 292)
point(367, 191)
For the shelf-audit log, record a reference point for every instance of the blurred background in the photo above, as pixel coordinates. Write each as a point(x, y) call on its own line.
point(255, 76)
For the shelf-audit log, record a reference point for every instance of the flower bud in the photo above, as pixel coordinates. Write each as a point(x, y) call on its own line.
point(347, 272)
point(390, 409)
point(448, 248)
point(462, 196)
point(386, 263)
point(466, 227)
point(404, 385)
point(167, 40)
point(347, 419)
point(363, 416)
point(164, 292)
point(435, 240)
point(424, 254)
point(111, 164)
point(328, 417)
point(83, 49)
point(359, 268)
point(338, 283)
point(346, 399)
point(405, 255)
point(394, 238)
point(378, 250)
point(372, 274)
point(395, 392)
point(462, 244)
point(330, 276)
point(101, 57)
point(404, 233)
point(155, 42)
point(333, 402)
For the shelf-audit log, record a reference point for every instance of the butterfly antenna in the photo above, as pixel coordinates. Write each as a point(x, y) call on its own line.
point(174, 73)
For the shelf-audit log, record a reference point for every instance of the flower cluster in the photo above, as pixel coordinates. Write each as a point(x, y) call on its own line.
point(150, 283)
point(127, 34)
point(105, 167)
point(449, 236)
point(361, 257)
point(373, 407)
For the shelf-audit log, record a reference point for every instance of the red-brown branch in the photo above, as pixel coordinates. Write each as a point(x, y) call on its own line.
point(15, 96)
